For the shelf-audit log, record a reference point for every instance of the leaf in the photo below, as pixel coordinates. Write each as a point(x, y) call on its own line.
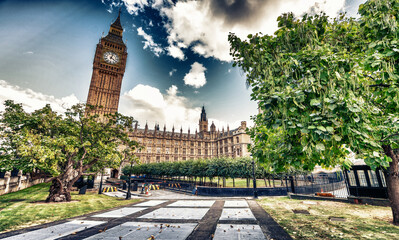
point(311, 127)
point(320, 147)
point(321, 128)
point(337, 138)
point(330, 129)
point(315, 102)
point(332, 107)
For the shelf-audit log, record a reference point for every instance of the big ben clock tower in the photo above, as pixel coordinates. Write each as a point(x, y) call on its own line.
point(108, 69)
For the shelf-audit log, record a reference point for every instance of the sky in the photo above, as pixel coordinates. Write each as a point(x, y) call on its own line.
point(178, 54)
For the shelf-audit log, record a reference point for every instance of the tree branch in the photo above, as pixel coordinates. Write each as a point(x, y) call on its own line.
point(389, 136)
point(87, 166)
point(380, 85)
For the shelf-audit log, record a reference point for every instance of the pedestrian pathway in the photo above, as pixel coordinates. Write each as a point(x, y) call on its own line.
point(165, 219)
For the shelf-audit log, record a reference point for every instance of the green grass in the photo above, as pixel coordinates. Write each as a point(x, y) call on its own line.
point(27, 208)
point(362, 221)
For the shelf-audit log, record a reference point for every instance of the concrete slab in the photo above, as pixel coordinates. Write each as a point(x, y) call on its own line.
point(150, 203)
point(192, 203)
point(236, 203)
point(145, 230)
point(56, 231)
point(238, 231)
point(237, 214)
point(118, 213)
point(177, 213)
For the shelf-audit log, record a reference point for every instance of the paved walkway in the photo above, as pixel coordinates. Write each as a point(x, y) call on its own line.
point(165, 219)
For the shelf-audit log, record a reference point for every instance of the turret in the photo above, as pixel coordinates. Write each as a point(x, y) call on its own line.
point(203, 122)
point(213, 127)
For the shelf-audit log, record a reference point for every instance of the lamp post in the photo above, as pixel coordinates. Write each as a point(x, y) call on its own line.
point(100, 190)
point(254, 178)
point(129, 194)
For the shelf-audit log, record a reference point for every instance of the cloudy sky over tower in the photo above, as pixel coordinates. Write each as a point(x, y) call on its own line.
point(178, 53)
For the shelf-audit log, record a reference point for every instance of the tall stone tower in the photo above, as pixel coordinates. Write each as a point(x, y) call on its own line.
point(108, 69)
point(203, 122)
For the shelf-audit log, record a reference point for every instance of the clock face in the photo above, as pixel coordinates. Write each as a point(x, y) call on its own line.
point(111, 57)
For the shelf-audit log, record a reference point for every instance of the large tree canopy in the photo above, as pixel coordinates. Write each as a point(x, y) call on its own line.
point(64, 146)
point(325, 85)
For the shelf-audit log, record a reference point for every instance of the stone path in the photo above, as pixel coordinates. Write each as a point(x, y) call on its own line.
point(165, 219)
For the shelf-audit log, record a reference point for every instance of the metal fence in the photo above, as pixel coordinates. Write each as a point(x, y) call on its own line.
point(320, 183)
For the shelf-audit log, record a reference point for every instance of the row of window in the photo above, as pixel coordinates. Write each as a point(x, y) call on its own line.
point(192, 144)
point(176, 151)
point(108, 67)
point(113, 45)
point(372, 175)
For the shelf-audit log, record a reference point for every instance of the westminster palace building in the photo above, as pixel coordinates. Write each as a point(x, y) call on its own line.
point(158, 144)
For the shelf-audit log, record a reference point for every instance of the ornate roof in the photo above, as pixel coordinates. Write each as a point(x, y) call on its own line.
point(117, 23)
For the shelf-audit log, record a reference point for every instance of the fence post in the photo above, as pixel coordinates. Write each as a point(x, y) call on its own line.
point(292, 184)
point(286, 184)
point(311, 181)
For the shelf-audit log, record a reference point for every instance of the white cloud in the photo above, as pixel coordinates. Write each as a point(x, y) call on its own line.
point(134, 6)
point(172, 71)
point(28, 52)
point(204, 25)
point(32, 100)
point(149, 42)
point(148, 104)
point(175, 52)
point(196, 76)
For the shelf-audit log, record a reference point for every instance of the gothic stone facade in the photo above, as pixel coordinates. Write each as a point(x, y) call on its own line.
point(161, 145)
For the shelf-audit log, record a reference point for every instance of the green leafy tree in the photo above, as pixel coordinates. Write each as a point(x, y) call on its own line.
point(325, 85)
point(64, 146)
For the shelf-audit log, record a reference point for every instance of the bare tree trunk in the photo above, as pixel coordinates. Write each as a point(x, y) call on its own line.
point(393, 182)
point(224, 182)
point(265, 182)
point(60, 189)
point(234, 182)
point(268, 178)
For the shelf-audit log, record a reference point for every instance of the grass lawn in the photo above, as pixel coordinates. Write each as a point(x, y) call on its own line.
point(361, 221)
point(27, 208)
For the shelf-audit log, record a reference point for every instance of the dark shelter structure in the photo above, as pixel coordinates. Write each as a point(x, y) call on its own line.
point(364, 182)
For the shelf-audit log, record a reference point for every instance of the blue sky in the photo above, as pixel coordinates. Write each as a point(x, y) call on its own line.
point(178, 53)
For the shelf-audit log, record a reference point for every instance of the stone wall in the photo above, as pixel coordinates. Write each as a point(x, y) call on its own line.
point(12, 184)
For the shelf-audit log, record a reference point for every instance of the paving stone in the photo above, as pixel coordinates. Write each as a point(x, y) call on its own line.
point(177, 213)
point(238, 231)
point(237, 214)
point(300, 211)
point(192, 203)
point(236, 203)
point(150, 203)
point(118, 213)
point(144, 230)
point(56, 231)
